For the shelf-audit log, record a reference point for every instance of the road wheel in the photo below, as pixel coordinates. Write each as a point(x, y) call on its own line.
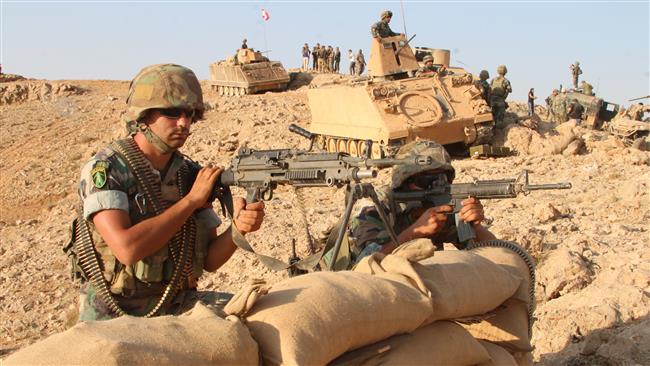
point(342, 146)
point(353, 148)
point(331, 144)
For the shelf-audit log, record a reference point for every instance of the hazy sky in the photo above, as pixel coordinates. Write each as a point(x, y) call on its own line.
point(536, 40)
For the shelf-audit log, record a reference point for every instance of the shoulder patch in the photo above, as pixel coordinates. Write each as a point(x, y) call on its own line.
point(100, 173)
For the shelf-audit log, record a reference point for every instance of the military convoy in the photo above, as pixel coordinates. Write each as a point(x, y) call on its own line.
point(247, 72)
point(392, 106)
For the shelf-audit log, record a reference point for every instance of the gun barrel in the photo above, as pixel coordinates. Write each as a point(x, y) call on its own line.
point(539, 187)
point(300, 131)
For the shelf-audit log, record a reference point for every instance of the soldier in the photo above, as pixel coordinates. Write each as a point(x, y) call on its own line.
point(330, 59)
point(243, 44)
point(483, 85)
point(428, 67)
point(575, 112)
point(531, 101)
point(366, 232)
point(576, 71)
point(381, 29)
point(360, 63)
point(587, 89)
point(560, 107)
point(138, 194)
point(549, 104)
point(499, 90)
point(322, 58)
point(337, 60)
point(314, 55)
point(352, 58)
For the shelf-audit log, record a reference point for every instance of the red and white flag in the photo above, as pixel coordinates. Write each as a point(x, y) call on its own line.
point(265, 15)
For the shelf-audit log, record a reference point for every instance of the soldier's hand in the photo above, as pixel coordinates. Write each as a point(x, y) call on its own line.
point(472, 211)
point(432, 221)
point(248, 216)
point(202, 187)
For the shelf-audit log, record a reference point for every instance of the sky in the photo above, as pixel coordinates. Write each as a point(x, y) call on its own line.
point(537, 40)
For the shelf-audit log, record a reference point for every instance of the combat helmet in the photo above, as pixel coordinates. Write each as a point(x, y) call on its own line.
point(484, 75)
point(162, 86)
point(440, 157)
point(386, 14)
point(502, 70)
point(427, 58)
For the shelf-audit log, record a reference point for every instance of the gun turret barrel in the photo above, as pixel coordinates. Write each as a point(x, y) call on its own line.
point(300, 131)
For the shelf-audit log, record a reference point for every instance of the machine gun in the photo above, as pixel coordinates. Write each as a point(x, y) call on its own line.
point(453, 194)
point(261, 171)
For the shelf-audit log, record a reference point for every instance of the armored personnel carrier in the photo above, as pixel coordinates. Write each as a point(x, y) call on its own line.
point(247, 72)
point(393, 106)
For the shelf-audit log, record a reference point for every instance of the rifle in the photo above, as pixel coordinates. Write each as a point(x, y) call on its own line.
point(453, 194)
point(261, 171)
point(404, 45)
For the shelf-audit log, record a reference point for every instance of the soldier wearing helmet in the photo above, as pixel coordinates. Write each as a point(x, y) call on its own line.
point(366, 232)
point(576, 71)
point(427, 68)
point(381, 29)
point(140, 192)
point(483, 85)
point(499, 89)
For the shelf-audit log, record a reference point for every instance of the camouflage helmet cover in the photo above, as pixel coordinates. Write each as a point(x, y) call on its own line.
point(502, 70)
point(162, 86)
point(441, 161)
point(427, 58)
point(386, 14)
point(484, 75)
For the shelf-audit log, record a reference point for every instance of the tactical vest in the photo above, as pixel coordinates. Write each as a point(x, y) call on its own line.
point(498, 87)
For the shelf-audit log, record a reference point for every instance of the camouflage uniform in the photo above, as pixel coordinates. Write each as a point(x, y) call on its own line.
point(107, 183)
point(587, 89)
point(483, 85)
point(428, 67)
point(366, 232)
point(559, 108)
point(381, 29)
point(576, 71)
point(499, 89)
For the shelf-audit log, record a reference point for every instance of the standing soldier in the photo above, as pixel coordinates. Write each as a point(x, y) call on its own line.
point(576, 71)
point(337, 60)
point(499, 90)
point(322, 54)
point(314, 55)
point(531, 101)
point(483, 85)
point(549, 105)
point(560, 107)
point(360, 63)
point(381, 29)
point(243, 44)
point(330, 59)
point(352, 60)
point(305, 57)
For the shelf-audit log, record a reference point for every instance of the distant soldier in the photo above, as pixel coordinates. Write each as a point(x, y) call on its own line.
point(576, 71)
point(352, 58)
point(314, 55)
point(337, 60)
point(587, 89)
point(499, 90)
point(483, 85)
point(575, 112)
point(322, 53)
point(360, 63)
point(531, 101)
point(428, 67)
point(305, 57)
point(330, 59)
point(243, 44)
point(381, 29)
point(560, 107)
point(549, 104)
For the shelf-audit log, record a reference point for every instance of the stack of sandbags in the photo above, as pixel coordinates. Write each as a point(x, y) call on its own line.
point(314, 318)
point(196, 337)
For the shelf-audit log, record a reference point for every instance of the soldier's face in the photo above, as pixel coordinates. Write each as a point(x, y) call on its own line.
point(171, 125)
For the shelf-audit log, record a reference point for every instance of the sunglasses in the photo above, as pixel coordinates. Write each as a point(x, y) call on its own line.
point(427, 181)
point(175, 113)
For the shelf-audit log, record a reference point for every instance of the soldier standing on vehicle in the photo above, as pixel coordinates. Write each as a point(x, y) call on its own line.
point(499, 90)
point(337, 60)
point(483, 85)
point(576, 71)
point(352, 59)
point(305, 57)
point(381, 29)
point(360, 63)
point(147, 217)
point(243, 44)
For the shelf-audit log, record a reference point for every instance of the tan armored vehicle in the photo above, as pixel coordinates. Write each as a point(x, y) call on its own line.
point(247, 72)
point(392, 106)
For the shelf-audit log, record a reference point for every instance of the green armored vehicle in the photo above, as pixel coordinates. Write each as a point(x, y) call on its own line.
point(596, 111)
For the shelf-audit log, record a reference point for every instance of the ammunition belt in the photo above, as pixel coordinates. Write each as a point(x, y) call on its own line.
point(521, 252)
point(181, 246)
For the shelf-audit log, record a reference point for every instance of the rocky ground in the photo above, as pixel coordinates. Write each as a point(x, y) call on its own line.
point(591, 242)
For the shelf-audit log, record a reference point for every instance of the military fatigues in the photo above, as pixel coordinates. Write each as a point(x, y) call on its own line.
point(484, 87)
point(426, 70)
point(381, 29)
point(559, 108)
point(107, 184)
point(576, 71)
point(499, 89)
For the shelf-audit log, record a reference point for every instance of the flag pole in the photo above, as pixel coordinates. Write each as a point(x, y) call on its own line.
point(266, 45)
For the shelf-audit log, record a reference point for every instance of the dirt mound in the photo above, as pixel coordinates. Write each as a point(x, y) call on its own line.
point(591, 242)
point(44, 91)
point(6, 78)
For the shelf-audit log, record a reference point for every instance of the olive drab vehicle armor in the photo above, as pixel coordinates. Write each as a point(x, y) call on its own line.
point(247, 72)
point(596, 111)
point(392, 106)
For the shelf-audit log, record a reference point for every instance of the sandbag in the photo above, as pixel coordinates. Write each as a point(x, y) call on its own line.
point(498, 355)
point(314, 318)
point(196, 337)
point(440, 343)
point(416, 250)
point(508, 327)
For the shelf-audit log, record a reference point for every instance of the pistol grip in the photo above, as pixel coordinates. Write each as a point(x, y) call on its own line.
point(464, 229)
